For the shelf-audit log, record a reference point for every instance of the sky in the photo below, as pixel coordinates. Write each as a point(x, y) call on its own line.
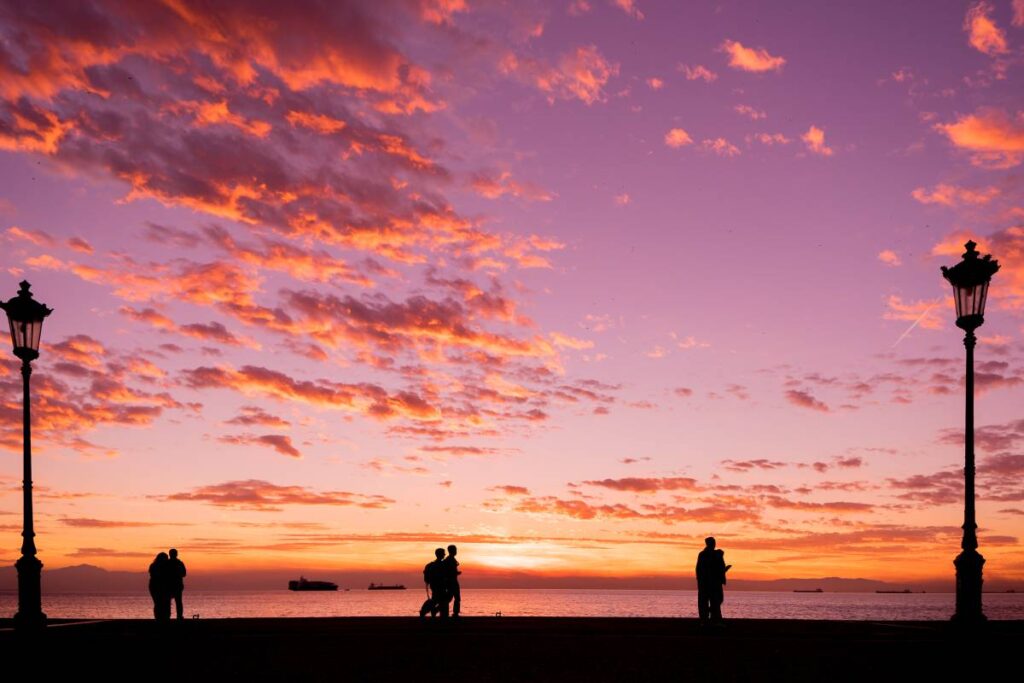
point(573, 284)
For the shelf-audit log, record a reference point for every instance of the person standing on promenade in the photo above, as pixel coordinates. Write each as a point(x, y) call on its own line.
point(711, 569)
point(451, 566)
point(158, 587)
point(437, 594)
point(176, 581)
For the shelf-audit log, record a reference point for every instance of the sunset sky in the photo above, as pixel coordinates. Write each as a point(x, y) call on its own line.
point(572, 284)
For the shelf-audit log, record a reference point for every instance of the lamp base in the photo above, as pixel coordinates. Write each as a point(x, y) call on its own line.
point(30, 614)
point(969, 581)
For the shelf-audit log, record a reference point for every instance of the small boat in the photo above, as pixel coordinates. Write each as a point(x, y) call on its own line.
point(303, 584)
point(383, 587)
point(808, 590)
point(902, 592)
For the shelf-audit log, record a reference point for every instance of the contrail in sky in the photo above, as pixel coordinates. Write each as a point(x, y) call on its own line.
point(919, 319)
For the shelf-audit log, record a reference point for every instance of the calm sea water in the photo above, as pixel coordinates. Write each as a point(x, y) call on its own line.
point(527, 602)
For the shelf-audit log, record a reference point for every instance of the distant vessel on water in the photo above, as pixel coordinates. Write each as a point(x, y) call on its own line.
point(303, 584)
point(808, 590)
point(383, 587)
point(905, 590)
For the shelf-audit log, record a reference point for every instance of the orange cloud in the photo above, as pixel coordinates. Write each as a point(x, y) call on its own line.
point(995, 137)
point(441, 11)
point(655, 83)
point(982, 32)
point(751, 59)
point(581, 74)
point(1018, 13)
point(27, 128)
point(213, 113)
point(630, 8)
point(951, 195)
point(36, 237)
point(677, 137)
point(321, 123)
point(814, 138)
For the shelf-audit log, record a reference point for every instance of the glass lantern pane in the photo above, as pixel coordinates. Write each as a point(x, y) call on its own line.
point(22, 334)
point(963, 306)
point(982, 296)
point(35, 333)
point(14, 333)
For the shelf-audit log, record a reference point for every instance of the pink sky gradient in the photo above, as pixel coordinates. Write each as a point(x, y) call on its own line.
point(574, 284)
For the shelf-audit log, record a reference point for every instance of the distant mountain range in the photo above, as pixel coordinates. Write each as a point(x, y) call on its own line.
point(85, 578)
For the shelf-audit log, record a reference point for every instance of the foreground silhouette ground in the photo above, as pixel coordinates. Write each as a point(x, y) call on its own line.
point(500, 649)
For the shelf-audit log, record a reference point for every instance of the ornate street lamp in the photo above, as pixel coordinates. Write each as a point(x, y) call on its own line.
point(26, 317)
point(970, 279)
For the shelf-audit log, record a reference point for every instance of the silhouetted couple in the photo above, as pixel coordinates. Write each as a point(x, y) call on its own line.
point(711, 570)
point(166, 582)
point(442, 581)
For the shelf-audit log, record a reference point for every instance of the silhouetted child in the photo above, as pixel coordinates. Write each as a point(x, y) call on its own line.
point(451, 571)
point(434, 578)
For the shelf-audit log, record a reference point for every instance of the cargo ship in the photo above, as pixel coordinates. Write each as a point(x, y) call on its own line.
point(808, 590)
point(303, 584)
point(382, 587)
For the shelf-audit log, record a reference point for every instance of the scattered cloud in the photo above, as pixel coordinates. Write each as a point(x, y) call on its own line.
point(804, 399)
point(994, 137)
point(750, 112)
point(751, 59)
point(889, 257)
point(263, 496)
point(814, 138)
point(952, 195)
point(677, 137)
point(721, 147)
point(698, 72)
point(982, 32)
point(629, 7)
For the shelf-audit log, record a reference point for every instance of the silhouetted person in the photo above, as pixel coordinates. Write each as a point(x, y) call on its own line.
point(437, 593)
point(158, 587)
point(711, 569)
point(451, 576)
point(176, 580)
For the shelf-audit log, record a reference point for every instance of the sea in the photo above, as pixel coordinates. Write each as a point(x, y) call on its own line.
point(525, 603)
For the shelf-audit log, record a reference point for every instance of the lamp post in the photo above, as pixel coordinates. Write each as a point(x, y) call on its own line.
point(970, 279)
point(26, 315)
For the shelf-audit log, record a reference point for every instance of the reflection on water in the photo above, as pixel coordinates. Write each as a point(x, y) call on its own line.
point(527, 602)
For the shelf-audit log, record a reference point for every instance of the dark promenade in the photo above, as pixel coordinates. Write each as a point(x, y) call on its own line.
point(513, 649)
